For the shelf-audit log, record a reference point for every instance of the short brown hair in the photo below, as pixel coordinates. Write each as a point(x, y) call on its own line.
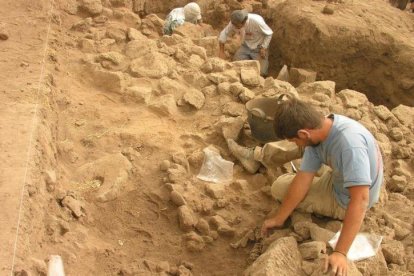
point(292, 115)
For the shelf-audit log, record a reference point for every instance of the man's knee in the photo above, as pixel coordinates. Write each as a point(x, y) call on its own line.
point(281, 185)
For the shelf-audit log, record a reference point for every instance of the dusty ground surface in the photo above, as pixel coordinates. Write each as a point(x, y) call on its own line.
point(103, 143)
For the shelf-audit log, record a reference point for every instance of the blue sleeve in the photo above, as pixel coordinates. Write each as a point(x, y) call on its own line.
point(310, 161)
point(356, 167)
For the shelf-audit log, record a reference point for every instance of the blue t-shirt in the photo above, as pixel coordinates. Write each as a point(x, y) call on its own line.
point(354, 156)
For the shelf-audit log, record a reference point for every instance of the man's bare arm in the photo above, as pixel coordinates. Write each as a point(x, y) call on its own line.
point(295, 194)
point(354, 217)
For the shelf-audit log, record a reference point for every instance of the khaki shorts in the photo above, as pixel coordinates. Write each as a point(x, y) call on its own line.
point(320, 198)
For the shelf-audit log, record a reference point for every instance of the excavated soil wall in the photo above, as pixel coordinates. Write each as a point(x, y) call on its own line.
point(365, 46)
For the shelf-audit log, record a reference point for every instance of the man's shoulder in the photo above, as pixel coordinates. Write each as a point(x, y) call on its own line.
point(255, 17)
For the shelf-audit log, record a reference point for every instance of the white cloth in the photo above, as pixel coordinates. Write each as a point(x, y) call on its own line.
point(254, 33)
point(176, 14)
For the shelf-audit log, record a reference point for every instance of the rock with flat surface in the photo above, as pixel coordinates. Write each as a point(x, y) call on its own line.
point(298, 76)
point(194, 98)
point(281, 258)
point(92, 7)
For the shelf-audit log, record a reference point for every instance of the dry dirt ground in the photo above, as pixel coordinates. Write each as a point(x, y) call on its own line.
point(104, 121)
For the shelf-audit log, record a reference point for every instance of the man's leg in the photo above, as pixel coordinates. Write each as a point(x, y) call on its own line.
point(319, 200)
point(264, 62)
point(243, 53)
point(275, 154)
point(272, 155)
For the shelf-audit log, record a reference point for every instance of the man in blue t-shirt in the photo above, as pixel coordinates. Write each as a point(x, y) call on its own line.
point(345, 191)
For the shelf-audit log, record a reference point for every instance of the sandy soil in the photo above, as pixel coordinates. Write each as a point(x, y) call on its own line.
point(104, 122)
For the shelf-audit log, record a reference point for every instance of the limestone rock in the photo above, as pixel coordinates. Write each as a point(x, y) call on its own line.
point(375, 265)
point(323, 87)
point(213, 65)
point(226, 230)
point(203, 227)
point(302, 229)
point(177, 198)
point(234, 109)
point(164, 105)
point(74, 205)
point(50, 179)
point(231, 127)
point(134, 34)
point(111, 60)
point(140, 94)
point(394, 252)
point(352, 99)
point(87, 45)
point(152, 25)
point(105, 80)
point(328, 9)
point(157, 66)
point(298, 76)
point(194, 98)
point(396, 134)
point(405, 115)
point(93, 7)
point(246, 95)
point(249, 77)
point(247, 64)
point(223, 88)
point(105, 45)
point(194, 242)
point(382, 112)
point(165, 165)
point(210, 43)
point(196, 79)
point(217, 221)
point(170, 86)
point(117, 33)
point(139, 47)
point(281, 258)
point(194, 61)
point(236, 88)
point(214, 190)
point(128, 17)
point(186, 218)
point(312, 250)
point(397, 183)
point(320, 234)
point(274, 88)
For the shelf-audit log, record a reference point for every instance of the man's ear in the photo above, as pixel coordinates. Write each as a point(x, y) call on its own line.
point(303, 134)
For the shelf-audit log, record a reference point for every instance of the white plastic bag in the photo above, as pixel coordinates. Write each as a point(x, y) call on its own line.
point(283, 74)
point(215, 168)
point(364, 246)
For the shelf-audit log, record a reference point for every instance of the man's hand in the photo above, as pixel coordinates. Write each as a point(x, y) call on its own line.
point(338, 263)
point(269, 224)
point(263, 52)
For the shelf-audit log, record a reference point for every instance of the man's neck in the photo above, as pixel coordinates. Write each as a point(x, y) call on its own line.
point(323, 133)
